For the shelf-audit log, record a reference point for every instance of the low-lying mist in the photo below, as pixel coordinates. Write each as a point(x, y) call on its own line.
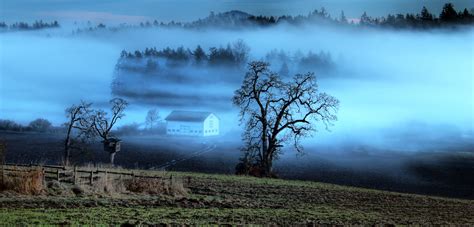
point(399, 90)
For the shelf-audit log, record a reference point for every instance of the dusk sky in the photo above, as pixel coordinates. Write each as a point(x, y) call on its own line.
point(126, 11)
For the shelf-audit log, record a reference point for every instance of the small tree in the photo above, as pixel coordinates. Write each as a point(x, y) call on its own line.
point(343, 18)
point(275, 112)
point(426, 15)
point(40, 125)
point(199, 55)
point(240, 51)
point(78, 119)
point(103, 125)
point(152, 118)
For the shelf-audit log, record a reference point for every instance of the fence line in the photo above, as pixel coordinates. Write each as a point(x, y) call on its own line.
point(74, 175)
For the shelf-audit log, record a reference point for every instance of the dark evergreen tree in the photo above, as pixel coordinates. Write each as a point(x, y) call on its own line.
point(365, 19)
point(151, 65)
point(343, 18)
point(138, 54)
point(448, 14)
point(425, 15)
point(199, 55)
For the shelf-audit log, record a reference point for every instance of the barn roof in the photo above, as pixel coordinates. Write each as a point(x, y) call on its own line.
point(191, 116)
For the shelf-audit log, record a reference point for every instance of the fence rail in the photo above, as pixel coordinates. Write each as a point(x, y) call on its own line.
point(75, 174)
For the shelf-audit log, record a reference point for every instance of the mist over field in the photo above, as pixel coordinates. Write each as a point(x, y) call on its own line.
point(387, 81)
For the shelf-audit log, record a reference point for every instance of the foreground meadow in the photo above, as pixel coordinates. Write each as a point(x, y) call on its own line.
point(226, 199)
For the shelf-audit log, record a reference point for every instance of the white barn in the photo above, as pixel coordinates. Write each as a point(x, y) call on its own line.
point(192, 123)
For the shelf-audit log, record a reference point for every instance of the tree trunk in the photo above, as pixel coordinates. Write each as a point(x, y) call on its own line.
point(67, 153)
point(112, 156)
point(268, 160)
point(67, 147)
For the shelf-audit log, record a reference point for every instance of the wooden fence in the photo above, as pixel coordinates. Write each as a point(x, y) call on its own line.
point(3, 148)
point(78, 175)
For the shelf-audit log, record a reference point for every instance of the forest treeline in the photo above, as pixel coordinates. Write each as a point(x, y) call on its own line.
point(21, 26)
point(232, 55)
point(449, 17)
point(38, 125)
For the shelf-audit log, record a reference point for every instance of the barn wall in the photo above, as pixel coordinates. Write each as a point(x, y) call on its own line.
point(211, 126)
point(184, 128)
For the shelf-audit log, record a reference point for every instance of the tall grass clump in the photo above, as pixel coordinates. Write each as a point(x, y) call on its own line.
point(27, 182)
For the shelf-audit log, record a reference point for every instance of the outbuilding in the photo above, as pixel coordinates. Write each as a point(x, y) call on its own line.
point(192, 123)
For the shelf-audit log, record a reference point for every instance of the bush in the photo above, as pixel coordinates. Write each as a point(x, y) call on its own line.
point(40, 125)
point(10, 125)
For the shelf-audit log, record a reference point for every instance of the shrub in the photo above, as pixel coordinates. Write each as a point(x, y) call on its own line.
point(10, 125)
point(40, 125)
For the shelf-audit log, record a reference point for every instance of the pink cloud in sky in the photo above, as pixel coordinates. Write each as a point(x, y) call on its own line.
point(94, 16)
point(353, 20)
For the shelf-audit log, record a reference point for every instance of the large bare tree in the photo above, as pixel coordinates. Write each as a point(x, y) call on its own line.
point(276, 111)
point(103, 125)
point(78, 120)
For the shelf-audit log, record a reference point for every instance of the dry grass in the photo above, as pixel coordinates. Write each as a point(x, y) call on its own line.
point(156, 182)
point(30, 182)
point(27, 182)
point(155, 186)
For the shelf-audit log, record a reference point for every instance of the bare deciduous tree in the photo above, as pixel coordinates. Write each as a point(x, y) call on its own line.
point(276, 112)
point(79, 119)
point(103, 125)
point(152, 118)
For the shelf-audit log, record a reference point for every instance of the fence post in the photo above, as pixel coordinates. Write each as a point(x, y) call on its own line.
point(57, 175)
point(91, 178)
point(3, 175)
point(74, 176)
point(2, 160)
point(44, 175)
point(189, 180)
point(106, 177)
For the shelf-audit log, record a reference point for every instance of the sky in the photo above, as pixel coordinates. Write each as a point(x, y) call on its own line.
point(126, 11)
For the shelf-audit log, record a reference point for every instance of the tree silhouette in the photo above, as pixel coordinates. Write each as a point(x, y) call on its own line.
point(40, 125)
point(103, 125)
point(276, 112)
point(448, 14)
point(426, 15)
point(152, 118)
point(343, 18)
point(78, 118)
point(199, 55)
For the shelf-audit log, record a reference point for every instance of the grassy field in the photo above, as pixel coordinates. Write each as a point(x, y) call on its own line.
point(228, 199)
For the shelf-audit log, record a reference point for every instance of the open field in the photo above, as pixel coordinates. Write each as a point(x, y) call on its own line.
point(228, 199)
point(449, 173)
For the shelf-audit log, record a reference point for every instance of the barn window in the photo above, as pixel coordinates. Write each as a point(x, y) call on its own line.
point(211, 124)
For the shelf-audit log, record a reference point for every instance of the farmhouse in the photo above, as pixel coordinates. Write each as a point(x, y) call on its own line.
point(192, 123)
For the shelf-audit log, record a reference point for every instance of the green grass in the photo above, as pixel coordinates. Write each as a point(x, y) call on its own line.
point(230, 199)
point(173, 215)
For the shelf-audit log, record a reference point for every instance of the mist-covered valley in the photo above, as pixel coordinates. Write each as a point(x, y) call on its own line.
point(406, 95)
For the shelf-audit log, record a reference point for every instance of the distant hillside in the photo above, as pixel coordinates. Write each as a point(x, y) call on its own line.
point(449, 17)
point(230, 18)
